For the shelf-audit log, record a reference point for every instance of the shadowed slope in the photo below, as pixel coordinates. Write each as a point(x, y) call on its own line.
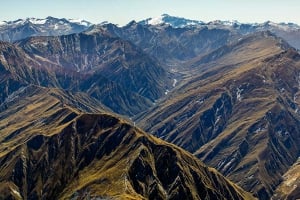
point(18, 69)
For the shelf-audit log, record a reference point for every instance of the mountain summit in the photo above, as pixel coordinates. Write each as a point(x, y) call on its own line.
point(171, 20)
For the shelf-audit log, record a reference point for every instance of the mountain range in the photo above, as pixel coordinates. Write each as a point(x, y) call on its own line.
point(141, 111)
point(22, 28)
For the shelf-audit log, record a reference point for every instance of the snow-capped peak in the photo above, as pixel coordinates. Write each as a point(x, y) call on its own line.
point(3, 23)
point(19, 21)
point(281, 26)
point(51, 20)
point(49, 26)
point(171, 20)
point(37, 21)
point(80, 22)
point(156, 20)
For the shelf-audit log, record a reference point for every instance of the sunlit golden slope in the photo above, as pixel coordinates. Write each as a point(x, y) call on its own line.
point(27, 111)
point(52, 149)
point(290, 187)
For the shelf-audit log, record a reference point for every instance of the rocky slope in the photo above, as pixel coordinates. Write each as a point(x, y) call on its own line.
point(113, 77)
point(97, 52)
point(51, 149)
point(237, 111)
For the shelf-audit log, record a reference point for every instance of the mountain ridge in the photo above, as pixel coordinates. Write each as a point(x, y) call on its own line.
point(68, 153)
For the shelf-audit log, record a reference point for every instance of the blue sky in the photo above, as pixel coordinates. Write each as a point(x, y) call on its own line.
point(123, 11)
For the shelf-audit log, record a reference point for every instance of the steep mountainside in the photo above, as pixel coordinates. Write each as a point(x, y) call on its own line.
point(98, 52)
point(117, 83)
point(51, 149)
point(172, 45)
point(238, 112)
point(22, 28)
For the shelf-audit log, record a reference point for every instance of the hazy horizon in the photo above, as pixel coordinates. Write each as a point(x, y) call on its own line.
point(121, 12)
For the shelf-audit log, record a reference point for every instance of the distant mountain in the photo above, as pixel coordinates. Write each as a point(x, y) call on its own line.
point(170, 45)
point(288, 31)
point(52, 149)
point(22, 28)
point(176, 22)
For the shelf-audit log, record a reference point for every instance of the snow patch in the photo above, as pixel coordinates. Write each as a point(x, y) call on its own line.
point(80, 21)
point(174, 70)
point(2, 23)
point(259, 130)
point(217, 120)
point(156, 20)
point(37, 43)
point(295, 98)
point(37, 21)
point(238, 94)
point(283, 26)
point(174, 82)
point(228, 164)
point(200, 101)
point(230, 23)
point(220, 164)
point(250, 177)
point(191, 24)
